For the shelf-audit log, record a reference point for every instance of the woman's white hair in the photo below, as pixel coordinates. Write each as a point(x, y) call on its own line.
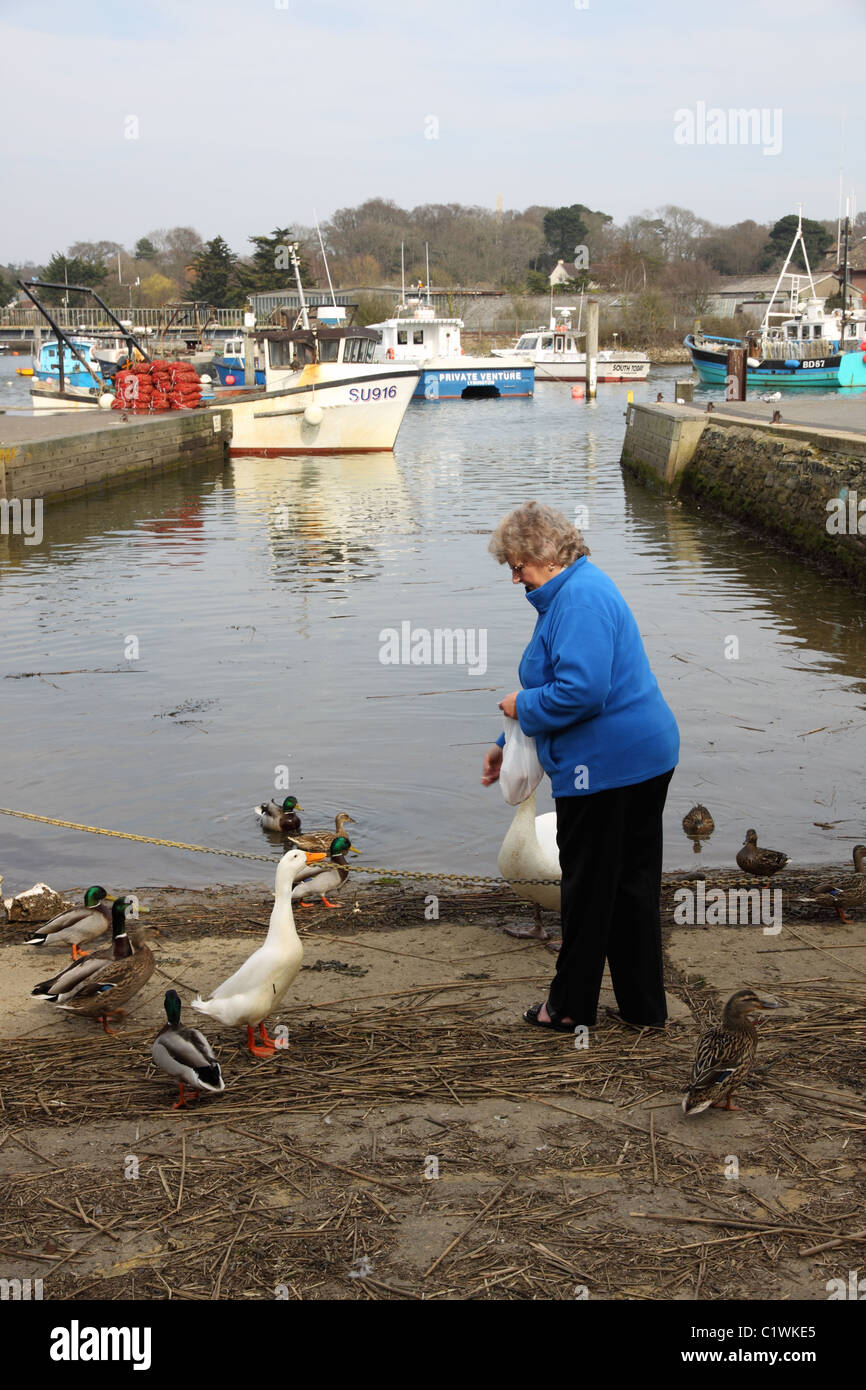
point(537, 534)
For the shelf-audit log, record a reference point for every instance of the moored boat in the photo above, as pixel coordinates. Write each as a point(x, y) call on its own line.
point(799, 343)
point(556, 356)
point(418, 335)
point(323, 394)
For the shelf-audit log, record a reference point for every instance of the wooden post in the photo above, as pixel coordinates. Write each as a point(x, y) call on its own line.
point(591, 348)
point(249, 359)
point(735, 381)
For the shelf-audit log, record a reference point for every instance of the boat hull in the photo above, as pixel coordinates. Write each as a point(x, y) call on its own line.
point(466, 378)
point(572, 367)
point(45, 395)
point(712, 368)
point(322, 410)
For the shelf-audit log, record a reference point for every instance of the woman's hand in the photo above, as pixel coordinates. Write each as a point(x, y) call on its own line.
point(509, 704)
point(492, 764)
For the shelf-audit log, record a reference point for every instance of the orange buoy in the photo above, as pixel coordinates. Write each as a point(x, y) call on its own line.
point(577, 393)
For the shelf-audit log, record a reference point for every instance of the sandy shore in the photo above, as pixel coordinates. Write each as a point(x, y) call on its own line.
point(411, 1109)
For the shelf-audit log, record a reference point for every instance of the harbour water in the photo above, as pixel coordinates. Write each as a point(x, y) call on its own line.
point(171, 643)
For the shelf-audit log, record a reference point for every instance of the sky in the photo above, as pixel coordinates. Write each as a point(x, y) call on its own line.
point(237, 116)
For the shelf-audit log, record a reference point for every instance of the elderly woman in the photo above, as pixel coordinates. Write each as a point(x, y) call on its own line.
point(609, 743)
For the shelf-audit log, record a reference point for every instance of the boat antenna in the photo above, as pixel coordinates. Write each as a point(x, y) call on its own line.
point(427, 249)
point(293, 252)
point(845, 276)
point(402, 272)
point(325, 259)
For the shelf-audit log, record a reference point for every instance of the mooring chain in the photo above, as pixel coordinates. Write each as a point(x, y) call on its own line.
point(424, 875)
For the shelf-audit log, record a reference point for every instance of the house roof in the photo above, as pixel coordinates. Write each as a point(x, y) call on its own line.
point(749, 284)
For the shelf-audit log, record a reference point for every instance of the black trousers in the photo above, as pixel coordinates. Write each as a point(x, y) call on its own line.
point(610, 850)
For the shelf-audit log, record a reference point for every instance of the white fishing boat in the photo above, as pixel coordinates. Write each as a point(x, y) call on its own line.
point(555, 353)
point(418, 335)
point(323, 394)
point(323, 391)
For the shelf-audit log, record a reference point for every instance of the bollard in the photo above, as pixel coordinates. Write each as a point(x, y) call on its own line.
point(684, 390)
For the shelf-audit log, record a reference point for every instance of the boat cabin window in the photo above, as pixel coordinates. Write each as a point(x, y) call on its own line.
point(547, 343)
point(817, 330)
point(792, 330)
point(559, 342)
point(402, 336)
point(329, 350)
point(418, 335)
point(527, 344)
point(569, 343)
point(284, 353)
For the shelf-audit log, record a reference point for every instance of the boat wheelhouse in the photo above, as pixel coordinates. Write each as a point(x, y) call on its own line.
point(418, 335)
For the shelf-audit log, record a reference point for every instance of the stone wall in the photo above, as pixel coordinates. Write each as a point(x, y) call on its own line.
point(786, 486)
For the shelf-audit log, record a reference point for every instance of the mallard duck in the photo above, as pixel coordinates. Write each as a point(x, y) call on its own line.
point(319, 841)
point(253, 992)
point(725, 1055)
point(846, 891)
point(529, 851)
point(859, 854)
point(78, 925)
point(70, 980)
point(327, 875)
point(97, 985)
point(763, 862)
point(284, 819)
point(186, 1054)
point(698, 821)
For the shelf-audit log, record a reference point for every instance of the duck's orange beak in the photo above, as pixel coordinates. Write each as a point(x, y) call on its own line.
point(311, 858)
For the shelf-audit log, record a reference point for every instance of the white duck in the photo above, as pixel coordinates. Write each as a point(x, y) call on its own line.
point(529, 851)
point(254, 991)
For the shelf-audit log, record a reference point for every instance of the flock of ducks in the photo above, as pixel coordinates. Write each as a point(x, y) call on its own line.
point(96, 984)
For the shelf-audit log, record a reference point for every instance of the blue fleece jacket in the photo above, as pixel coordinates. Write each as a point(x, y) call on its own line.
point(589, 697)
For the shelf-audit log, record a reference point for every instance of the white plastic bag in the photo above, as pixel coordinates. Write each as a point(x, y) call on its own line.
point(521, 771)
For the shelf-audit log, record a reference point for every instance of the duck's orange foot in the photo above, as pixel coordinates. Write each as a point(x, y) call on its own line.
point(330, 904)
point(266, 1048)
point(841, 914)
point(78, 954)
point(727, 1105)
point(181, 1102)
point(103, 1018)
point(301, 903)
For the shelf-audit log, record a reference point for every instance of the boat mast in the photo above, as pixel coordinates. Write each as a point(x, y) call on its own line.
point(293, 252)
point(795, 279)
point(402, 272)
point(845, 278)
point(427, 250)
point(325, 259)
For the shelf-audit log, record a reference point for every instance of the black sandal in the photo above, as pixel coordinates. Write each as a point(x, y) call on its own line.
point(555, 1025)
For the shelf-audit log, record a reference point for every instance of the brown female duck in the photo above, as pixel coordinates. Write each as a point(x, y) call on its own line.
point(319, 841)
point(97, 985)
point(754, 860)
point(725, 1055)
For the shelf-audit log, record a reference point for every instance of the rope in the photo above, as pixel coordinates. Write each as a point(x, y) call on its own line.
point(424, 875)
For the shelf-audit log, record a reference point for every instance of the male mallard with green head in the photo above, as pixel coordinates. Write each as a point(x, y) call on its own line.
point(761, 862)
point(78, 925)
point(282, 819)
point(186, 1054)
point(327, 876)
point(96, 986)
point(725, 1055)
point(847, 892)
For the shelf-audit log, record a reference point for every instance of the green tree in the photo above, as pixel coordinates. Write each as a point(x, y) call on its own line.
point(216, 277)
point(269, 267)
point(7, 289)
point(817, 238)
point(564, 229)
point(72, 270)
point(537, 282)
point(145, 249)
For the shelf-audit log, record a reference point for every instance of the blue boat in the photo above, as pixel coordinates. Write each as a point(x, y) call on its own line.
point(798, 344)
point(229, 367)
point(419, 336)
